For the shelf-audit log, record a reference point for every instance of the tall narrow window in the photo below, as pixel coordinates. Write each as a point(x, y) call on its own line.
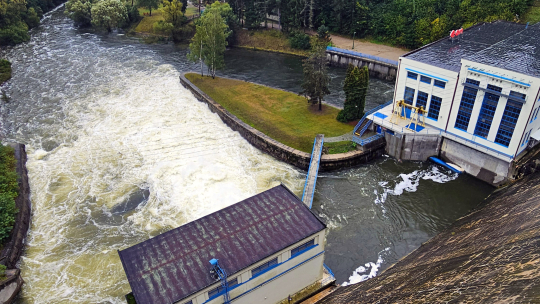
point(536, 115)
point(508, 122)
point(489, 105)
point(440, 84)
point(409, 95)
point(421, 100)
point(517, 95)
point(434, 107)
point(466, 107)
point(526, 138)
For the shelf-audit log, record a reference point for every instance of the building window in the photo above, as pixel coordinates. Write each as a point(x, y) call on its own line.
point(508, 122)
point(434, 107)
point(526, 138)
point(412, 75)
point(494, 88)
point(264, 267)
point(219, 290)
point(421, 99)
point(409, 95)
point(189, 302)
point(440, 84)
point(489, 105)
point(517, 95)
point(465, 108)
point(472, 81)
point(536, 115)
point(425, 79)
point(297, 250)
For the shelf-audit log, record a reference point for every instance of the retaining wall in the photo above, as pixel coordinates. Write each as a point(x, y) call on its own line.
point(278, 150)
point(377, 69)
point(412, 147)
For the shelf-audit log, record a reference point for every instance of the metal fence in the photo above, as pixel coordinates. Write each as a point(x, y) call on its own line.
point(362, 55)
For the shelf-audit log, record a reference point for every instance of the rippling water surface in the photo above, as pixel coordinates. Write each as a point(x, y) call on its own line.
point(119, 152)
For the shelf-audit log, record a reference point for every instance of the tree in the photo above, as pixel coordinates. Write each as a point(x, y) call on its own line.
point(316, 80)
point(355, 87)
point(210, 40)
point(79, 11)
point(172, 11)
point(184, 6)
point(149, 4)
point(109, 14)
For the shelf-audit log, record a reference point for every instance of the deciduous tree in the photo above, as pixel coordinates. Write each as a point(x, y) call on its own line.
point(109, 14)
point(149, 4)
point(80, 11)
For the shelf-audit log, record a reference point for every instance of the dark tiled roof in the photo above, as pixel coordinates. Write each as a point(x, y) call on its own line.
point(519, 53)
point(447, 53)
point(175, 264)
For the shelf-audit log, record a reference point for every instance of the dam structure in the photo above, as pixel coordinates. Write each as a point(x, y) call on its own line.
point(471, 99)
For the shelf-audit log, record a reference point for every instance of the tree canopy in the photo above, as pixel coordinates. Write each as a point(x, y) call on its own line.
point(316, 79)
point(109, 14)
point(149, 4)
point(80, 11)
point(210, 40)
point(355, 87)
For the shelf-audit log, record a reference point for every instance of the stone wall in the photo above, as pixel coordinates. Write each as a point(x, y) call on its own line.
point(489, 256)
point(377, 69)
point(278, 150)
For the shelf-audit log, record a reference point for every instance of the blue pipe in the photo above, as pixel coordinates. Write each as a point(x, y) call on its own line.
point(442, 163)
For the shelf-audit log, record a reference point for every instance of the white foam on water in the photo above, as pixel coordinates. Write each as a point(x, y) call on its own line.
point(368, 271)
point(140, 130)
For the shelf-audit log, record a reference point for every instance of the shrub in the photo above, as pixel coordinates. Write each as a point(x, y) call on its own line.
point(80, 11)
point(14, 33)
point(299, 40)
point(5, 70)
point(8, 190)
point(163, 27)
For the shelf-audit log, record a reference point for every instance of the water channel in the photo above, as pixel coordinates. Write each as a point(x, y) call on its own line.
point(119, 152)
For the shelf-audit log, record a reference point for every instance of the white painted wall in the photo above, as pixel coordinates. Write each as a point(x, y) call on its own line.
point(528, 106)
point(274, 289)
point(445, 94)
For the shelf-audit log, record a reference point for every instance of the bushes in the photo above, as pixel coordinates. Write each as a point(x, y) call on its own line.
point(5, 70)
point(299, 40)
point(80, 11)
point(8, 190)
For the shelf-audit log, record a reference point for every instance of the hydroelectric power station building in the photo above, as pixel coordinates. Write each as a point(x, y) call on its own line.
point(264, 249)
point(481, 93)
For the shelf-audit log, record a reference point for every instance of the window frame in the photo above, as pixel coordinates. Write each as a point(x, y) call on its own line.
point(298, 250)
point(424, 79)
point(264, 267)
point(409, 74)
point(508, 123)
point(437, 83)
point(432, 109)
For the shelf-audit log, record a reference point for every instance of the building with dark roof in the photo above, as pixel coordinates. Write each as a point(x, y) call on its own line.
point(480, 92)
point(270, 245)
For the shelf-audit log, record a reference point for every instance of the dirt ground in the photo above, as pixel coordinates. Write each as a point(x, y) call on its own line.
point(369, 48)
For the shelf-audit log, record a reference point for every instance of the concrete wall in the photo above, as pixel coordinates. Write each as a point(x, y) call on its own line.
point(278, 150)
point(485, 167)
point(377, 69)
point(292, 275)
point(412, 147)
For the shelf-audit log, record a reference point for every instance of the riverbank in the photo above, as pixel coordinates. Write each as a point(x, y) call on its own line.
point(277, 149)
point(283, 116)
point(267, 40)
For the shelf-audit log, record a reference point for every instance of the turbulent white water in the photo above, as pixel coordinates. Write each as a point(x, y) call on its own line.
point(107, 122)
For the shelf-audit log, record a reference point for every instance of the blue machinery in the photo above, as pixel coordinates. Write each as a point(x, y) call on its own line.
point(219, 273)
point(442, 163)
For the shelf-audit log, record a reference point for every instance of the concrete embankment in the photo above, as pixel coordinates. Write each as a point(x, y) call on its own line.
point(378, 67)
point(14, 246)
point(278, 150)
point(488, 256)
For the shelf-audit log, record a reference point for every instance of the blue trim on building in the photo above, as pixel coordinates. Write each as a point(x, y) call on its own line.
point(426, 74)
point(276, 276)
point(500, 77)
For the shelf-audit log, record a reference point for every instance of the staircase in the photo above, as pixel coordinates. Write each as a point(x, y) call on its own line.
point(364, 123)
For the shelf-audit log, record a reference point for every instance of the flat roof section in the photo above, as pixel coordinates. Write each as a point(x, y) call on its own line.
point(447, 52)
point(175, 264)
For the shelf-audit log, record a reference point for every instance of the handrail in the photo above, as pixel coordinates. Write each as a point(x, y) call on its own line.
point(377, 108)
point(358, 54)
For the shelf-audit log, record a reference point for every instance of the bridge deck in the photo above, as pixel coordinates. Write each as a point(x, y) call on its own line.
point(311, 179)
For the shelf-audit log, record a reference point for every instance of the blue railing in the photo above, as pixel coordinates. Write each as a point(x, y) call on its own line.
point(358, 54)
point(369, 113)
point(365, 141)
point(328, 269)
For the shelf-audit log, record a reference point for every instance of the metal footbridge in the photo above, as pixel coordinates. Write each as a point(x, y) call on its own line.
point(311, 179)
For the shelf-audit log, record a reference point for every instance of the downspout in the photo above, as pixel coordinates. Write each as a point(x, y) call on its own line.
point(395, 89)
point(452, 104)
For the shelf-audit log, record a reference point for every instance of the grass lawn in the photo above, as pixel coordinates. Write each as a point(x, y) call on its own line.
point(190, 11)
point(533, 14)
point(269, 40)
point(340, 147)
point(284, 116)
point(147, 23)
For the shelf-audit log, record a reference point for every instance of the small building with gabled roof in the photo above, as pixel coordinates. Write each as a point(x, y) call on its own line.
point(270, 245)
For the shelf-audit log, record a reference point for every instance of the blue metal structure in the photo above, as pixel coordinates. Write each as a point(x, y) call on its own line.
point(363, 119)
point(219, 273)
point(442, 163)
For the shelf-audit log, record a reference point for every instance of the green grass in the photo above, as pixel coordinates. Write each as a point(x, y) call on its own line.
point(340, 147)
point(147, 23)
point(284, 116)
point(533, 14)
point(267, 40)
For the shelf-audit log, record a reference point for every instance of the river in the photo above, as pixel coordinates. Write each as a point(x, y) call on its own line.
point(119, 151)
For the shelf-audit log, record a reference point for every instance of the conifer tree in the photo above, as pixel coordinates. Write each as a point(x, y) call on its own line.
point(355, 87)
